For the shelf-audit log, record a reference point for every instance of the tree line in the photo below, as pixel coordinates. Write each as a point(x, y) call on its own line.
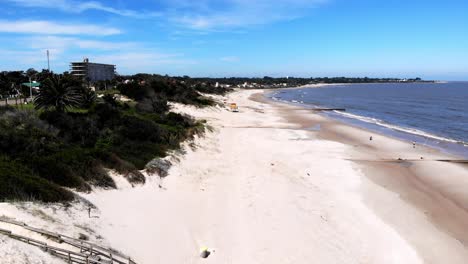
point(293, 81)
point(72, 134)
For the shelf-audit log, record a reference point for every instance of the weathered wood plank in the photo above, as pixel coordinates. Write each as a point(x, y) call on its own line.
point(84, 246)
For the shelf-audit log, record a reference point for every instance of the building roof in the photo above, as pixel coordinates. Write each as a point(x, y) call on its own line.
point(33, 84)
point(81, 62)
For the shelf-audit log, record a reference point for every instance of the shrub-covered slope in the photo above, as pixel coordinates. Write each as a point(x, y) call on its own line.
point(72, 136)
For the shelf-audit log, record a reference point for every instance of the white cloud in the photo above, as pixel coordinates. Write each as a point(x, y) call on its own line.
point(219, 15)
point(62, 43)
point(230, 59)
point(20, 57)
point(201, 15)
point(81, 6)
point(128, 61)
point(130, 57)
point(52, 28)
point(142, 61)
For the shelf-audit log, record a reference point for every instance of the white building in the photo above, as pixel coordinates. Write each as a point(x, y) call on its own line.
point(92, 71)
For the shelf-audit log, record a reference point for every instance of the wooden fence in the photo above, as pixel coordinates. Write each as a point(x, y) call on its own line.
point(14, 101)
point(89, 253)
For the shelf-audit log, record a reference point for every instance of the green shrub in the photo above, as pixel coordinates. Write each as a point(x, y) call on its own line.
point(71, 149)
point(135, 128)
point(139, 153)
point(157, 90)
point(77, 128)
point(133, 90)
point(53, 169)
point(22, 133)
point(174, 119)
point(18, 183)
point(74, 167)
point(158, 105)
point(106, 115)
point(123, 167)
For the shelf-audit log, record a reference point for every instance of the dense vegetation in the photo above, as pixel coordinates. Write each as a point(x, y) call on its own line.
point(158, 88)
point(71, 135)
point(290, 81)
point(10, 81)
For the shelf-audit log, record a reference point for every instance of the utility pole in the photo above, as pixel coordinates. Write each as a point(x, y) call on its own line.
point(30, 88)
point(48, 62)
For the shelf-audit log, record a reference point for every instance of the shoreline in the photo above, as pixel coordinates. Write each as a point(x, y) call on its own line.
point(263, 187)
point(453, 148)
point(336, 122)
point(421, 185)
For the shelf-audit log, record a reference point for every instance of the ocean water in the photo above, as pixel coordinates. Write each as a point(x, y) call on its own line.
point(433, 114)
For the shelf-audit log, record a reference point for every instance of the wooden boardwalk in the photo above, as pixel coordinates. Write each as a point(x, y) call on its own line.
point(86, 252)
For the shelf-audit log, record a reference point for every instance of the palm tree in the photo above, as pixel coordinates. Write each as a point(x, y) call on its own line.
point(89, 97)
point(59, 93)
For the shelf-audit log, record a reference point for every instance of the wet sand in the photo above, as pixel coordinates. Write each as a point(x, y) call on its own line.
point(424, 200)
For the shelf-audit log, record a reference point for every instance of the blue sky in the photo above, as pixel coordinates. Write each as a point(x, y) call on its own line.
point(392, 38)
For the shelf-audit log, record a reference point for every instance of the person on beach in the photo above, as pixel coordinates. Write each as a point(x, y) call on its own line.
point(370, 138)
point(414, 144)
point(89, 212)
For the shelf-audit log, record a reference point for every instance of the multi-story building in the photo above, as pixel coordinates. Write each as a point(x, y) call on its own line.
point(92, 71)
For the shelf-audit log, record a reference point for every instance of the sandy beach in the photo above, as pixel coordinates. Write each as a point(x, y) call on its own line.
point(274, 183)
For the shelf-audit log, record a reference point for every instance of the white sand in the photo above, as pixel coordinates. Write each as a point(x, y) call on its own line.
point(255, 190)
point(71, 221)
point(245, 192)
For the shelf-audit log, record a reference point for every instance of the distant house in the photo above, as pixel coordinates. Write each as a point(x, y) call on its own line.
point(92, 71)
